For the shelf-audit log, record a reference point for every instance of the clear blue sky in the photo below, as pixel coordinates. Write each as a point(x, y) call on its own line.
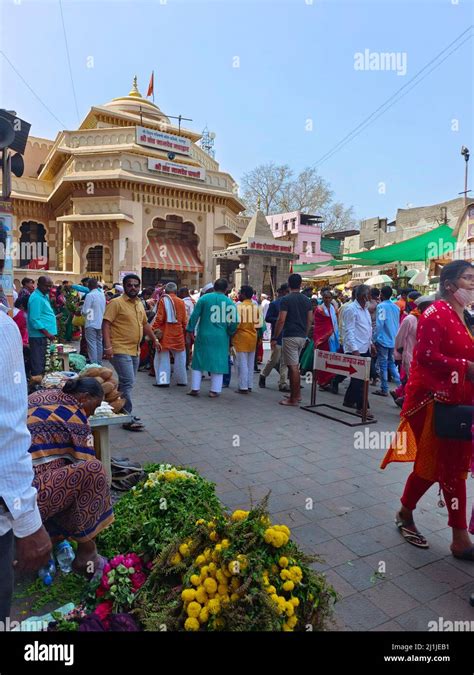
point(296, 63)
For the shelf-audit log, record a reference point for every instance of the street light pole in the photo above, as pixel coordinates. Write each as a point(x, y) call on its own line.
point(465, 154)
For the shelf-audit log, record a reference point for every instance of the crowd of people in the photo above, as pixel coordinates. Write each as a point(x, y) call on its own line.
point(423, 344)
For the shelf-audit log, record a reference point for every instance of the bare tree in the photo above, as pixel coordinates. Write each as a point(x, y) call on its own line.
point(265, 183)
point(276, 189)
point(309, 192)
point(337, 217)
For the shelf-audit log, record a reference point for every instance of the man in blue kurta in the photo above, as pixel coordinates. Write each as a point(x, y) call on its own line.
point(217, 318)
point(42, 325)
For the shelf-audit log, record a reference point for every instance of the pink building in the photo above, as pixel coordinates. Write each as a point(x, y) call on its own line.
point(305, 232)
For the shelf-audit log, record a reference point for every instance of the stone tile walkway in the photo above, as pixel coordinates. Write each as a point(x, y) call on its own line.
point(334, 497)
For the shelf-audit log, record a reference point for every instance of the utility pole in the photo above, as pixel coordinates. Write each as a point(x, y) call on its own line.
point(465, 154)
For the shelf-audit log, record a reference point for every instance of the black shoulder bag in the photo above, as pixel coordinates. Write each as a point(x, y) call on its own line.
point(453, 421)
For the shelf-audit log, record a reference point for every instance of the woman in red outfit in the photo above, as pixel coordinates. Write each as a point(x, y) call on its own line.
point(325, 328)
point(442, 370)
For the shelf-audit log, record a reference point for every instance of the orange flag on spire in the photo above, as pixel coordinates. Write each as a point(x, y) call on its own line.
point(151, 86)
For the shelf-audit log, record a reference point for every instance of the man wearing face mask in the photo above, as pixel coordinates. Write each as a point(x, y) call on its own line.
point(442, 375)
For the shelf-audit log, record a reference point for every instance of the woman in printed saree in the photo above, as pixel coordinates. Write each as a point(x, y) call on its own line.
point(326, 334)
point(442, 370)
point(73, 494)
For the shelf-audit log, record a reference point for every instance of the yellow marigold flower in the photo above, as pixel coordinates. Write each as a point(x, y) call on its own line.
point(193, 609)
point(221, 579)
point(195, 579)
point(211, 524)
point(295, 601)
point(287, 628)
point(176, 559)
point(239, 515)
point(212, 568)
point(219, 623)
point(292, 621)
point(310, 596)
point(281, 601)
point(234, 567)
point(268, 535)
point(271, 589)
point(191, 623)
point(210, 585)
point(207, 553)
point(283, 562)
point(290, 610)
point(274, 569)
point(204, 615)
point(285, 574)
point(218, 548)
point(184, 550)
point(200, 521)
point(288, 585)
point(274, 597)
point(224, 543)
point(214, 606)
point(188, 594)
point(225, 599)
point(222, 589)
point(234, 583)
point(214, 536)
point(279, 539)
point(243, 561)
point(200, 560)
point(234, 597)
point(170, 475)
point(204, 571)
point(201, 595)
point(226, 573)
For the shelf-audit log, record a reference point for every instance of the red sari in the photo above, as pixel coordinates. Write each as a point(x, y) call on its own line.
point(437, 373)
point(323, 329)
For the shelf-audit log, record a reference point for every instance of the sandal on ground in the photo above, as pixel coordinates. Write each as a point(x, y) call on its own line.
point(193, 392)
point(379, 392)
point(213, 394)
point(241, 391)
point(133, 426)
point(413, 537)
point(286, 401)
point(467, 554)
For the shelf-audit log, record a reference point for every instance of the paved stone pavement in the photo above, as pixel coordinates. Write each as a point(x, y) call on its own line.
point(335, 499)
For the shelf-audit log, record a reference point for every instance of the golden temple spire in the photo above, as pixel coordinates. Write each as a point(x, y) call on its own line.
point(134, 91)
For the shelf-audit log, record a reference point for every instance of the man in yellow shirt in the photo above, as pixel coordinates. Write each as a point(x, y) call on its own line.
point(245, 338)
point(124, 324)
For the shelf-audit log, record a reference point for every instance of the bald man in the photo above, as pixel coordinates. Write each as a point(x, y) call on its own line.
point(42, 324)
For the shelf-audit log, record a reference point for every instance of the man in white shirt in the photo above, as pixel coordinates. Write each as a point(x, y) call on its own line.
point(93, 309)
point(19, 514)
point(358, 341)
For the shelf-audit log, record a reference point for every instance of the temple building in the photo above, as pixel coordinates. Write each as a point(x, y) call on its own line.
point(258, 258)
point(126, 192)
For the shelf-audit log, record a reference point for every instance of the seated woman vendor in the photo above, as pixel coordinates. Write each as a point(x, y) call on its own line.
point(73, 493)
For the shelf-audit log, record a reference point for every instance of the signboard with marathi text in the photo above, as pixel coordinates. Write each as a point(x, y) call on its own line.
point(357, 367)
point(172, 169)
point(282, 247)
point(163, 141)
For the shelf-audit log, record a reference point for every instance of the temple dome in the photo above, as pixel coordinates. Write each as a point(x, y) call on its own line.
point(136, 104)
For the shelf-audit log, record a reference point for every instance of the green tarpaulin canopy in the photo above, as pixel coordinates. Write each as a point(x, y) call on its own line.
point(308, 267)
point(428, 245)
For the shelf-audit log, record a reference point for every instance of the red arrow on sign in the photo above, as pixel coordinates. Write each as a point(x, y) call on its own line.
point(347, 369)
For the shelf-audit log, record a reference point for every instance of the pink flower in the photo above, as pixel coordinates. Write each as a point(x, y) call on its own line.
point(103, 609)
point(104, 582)
point(118, 560)
point(100, 592)
point(149, 565)
point(138, 579)
point(132, 560)
point(107, 568)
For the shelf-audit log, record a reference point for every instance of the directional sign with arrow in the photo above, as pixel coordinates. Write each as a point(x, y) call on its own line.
point(333, 362)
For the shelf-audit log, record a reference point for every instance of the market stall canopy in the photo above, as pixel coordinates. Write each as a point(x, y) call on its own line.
point(379, 279)
point(308, 267)
point(423, 247)
point(408, 274)
point(420, 279)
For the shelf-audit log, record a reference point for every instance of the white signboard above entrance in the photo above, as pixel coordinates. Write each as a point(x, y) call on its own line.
point(342, 364)
point(163, 141)
point(173, 169)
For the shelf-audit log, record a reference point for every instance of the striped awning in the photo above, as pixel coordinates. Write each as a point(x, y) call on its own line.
point(171, 255)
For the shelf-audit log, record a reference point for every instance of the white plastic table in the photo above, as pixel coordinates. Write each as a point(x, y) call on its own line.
point(100, 429)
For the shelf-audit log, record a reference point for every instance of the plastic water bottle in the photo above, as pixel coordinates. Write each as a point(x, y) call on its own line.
point(65, 555)
point(47, 572)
